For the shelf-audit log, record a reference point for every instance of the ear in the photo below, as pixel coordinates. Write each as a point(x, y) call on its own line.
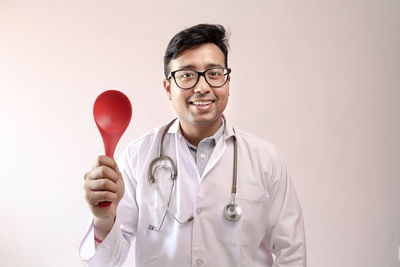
point(167, 87)
point(229, 80)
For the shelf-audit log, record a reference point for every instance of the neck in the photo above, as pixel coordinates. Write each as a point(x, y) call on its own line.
point(195, 133)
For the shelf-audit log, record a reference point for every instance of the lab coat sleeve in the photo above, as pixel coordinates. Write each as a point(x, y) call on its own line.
point(286, 237)
point(115, 247)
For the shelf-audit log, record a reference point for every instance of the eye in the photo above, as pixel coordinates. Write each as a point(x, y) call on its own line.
point(215, 73)
point(185, 75)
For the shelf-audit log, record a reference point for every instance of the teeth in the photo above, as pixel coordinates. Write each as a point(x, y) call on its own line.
point(197, 103)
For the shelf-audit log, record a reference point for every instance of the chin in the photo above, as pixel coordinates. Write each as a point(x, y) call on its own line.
point(205, 121)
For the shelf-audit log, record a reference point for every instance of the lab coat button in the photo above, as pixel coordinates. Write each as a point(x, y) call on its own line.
point(203, 156)
point(199, 210)
point(199, 262)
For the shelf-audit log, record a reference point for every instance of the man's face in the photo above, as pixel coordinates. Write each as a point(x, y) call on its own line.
point(189, 104)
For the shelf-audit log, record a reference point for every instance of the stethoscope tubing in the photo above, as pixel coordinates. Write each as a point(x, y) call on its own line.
point(232, 211)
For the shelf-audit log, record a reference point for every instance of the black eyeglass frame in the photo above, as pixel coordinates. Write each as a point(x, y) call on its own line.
point(201, 73)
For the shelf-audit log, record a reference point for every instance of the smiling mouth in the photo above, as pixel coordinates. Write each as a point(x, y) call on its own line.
point(202, 103)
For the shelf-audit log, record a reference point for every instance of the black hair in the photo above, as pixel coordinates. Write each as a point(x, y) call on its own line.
point(193, 37)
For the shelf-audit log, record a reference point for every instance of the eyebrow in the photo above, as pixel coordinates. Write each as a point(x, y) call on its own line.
point(190, 66)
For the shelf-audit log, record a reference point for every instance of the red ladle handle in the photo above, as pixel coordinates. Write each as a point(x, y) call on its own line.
point(106, 204)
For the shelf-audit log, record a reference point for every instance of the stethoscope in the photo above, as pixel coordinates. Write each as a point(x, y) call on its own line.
point(232, 211)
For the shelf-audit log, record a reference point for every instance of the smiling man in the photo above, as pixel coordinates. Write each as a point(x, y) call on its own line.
point(199, 90)
point(196, 191)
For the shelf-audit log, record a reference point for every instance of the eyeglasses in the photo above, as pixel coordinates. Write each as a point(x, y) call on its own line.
point(187, 79)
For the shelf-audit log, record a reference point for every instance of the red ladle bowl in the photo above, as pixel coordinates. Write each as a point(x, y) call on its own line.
point(112, 113)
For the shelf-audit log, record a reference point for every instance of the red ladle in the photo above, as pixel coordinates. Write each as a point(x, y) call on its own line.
point(112, 113)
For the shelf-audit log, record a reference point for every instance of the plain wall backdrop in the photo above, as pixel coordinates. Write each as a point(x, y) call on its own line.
point(320, 79)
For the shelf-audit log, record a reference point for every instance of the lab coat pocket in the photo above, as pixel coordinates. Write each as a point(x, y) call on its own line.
point(252, 223)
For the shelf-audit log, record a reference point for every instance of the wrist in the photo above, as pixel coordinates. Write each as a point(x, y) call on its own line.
point(102, 227)
point(98, 241)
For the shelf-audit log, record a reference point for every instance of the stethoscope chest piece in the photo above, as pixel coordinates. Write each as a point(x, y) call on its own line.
point(232, 212)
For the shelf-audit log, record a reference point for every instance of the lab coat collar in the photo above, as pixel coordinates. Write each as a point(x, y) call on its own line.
point(228, 131)
point(175, 128)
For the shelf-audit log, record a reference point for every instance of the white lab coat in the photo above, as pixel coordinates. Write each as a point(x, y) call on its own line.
point(271, 223)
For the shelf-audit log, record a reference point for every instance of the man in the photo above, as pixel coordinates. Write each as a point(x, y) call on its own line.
point(206, 215)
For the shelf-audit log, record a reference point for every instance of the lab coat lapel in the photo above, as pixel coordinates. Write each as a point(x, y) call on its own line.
point(219, 149)
point(216, 155)
point(181, 150)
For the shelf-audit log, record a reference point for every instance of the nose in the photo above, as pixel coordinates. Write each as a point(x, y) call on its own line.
point(202, 86)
